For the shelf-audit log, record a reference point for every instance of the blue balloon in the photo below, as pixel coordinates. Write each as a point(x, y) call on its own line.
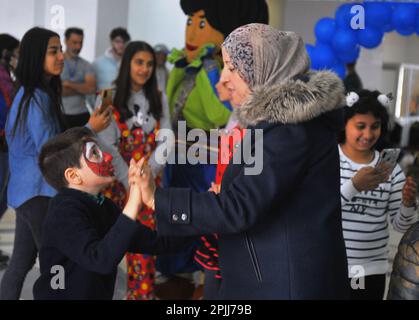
point(323, 57)
point(404, 17)
point(324, 30)
point(310, 52)
point(340, 70)
point(344, 40)
point(406, 31)
point(378, 14)
point(343, 16)
point(370, 37)
point(310, 49)
point(350, 56)
point(388, 27)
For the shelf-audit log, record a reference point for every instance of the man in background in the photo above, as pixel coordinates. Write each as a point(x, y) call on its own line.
point(162, 72)
point(107, 66)
point(78, 79)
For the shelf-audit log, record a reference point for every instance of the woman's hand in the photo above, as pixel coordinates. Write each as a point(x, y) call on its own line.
point(100, 119)
point(369, 178)
point(409, 193)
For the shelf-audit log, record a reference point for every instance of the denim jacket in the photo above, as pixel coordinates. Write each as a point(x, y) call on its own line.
point(26, 181)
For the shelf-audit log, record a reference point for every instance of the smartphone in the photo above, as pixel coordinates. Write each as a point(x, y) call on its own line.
point(389, 157)
point(107, 97)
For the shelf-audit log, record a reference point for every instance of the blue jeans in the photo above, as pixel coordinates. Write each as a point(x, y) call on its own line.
point(4, 177)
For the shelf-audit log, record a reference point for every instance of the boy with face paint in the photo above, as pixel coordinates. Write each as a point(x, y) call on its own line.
point(86, 235)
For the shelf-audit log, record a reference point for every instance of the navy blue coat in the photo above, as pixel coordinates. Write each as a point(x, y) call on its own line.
point(281, 230)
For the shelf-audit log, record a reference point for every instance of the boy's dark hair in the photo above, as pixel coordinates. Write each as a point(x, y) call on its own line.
point(70, 31)
point(62, 152)
point(227, 15)
point(120, 32)
point(367, 103)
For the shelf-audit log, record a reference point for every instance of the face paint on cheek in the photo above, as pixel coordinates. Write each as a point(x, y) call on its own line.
point(104, 168)
point(99, 162)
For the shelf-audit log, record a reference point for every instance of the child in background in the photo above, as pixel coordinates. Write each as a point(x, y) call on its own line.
point(140, 112)
point(85, 233)
point(372, 196)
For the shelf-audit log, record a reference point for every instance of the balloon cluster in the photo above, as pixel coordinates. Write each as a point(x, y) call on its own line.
point(337, 43)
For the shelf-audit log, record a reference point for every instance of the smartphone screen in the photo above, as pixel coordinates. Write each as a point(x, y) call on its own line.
point(107, 97)
point(389, 157)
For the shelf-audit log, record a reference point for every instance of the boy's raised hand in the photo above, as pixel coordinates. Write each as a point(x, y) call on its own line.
point(134, 203)
point(131, 171)
point(147, 184)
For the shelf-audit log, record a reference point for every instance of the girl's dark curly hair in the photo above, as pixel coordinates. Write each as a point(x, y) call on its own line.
point(367, 103)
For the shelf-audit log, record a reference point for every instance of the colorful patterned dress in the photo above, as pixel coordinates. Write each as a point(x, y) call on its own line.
point(136, 143)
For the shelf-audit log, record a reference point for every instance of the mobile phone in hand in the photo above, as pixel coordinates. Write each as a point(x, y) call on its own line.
point(388, 157)
point(107, 97)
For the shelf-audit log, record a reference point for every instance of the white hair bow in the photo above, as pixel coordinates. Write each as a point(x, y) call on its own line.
point(385, 100)
point(351, 98)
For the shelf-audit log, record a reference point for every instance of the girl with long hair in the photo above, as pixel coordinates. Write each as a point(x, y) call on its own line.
point(140, 112)
point(35, 116)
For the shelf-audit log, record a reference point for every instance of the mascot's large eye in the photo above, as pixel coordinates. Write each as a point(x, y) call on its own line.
point(202, 24)
point(189, 21)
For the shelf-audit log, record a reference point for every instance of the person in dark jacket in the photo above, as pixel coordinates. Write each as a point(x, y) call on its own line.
point(86, 235)
point(280, 231)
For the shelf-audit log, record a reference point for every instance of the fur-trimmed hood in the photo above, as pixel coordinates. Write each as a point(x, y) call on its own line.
point(293, 101)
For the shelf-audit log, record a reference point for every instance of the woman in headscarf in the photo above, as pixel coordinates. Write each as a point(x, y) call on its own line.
point(280, 233)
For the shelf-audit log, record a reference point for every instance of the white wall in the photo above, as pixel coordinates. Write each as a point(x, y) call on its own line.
point(17, 16)
point(111, 14)
point(301, 16)
point(157, 21)
point(77, 13)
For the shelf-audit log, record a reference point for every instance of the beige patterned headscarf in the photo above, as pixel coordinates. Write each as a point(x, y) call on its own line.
point(266, 56)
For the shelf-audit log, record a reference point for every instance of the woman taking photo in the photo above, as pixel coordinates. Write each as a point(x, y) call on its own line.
point(35, 117)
